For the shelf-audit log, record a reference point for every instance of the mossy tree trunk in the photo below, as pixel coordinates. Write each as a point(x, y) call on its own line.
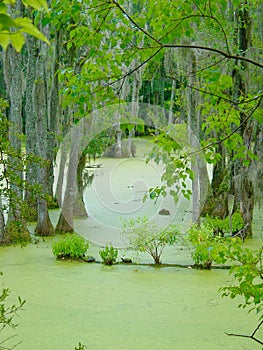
point(2, 221)
point(30, 130)
point(243, 187)
point(216, 202)
point(54, 110)
point(13, 78)
point(44, 225)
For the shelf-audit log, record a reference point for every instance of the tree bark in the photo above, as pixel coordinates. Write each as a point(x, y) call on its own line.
point(65, 223)
point(30, 130)
point(2, 221)
point(61, 173)
point(44, 226)
point(256, 168)
point(191, 127)
point(13, 78)
point(79, 209)
point(245, 190)
point(53, 112)
point(216, 202)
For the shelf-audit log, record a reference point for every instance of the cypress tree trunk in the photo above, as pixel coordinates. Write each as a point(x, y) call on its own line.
point(44, 225)
point(191, 127)
point(79, 206)
point(61, 172)
point(65, 223)
point(53, 112)
point(243, 189)
point(200, 182)
point(256, 168)
point(16, 224)
point(30, 120)
point(171, 114)
point(216, 202)
point(2, 221)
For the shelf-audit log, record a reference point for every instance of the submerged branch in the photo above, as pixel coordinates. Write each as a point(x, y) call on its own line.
point(252, 336)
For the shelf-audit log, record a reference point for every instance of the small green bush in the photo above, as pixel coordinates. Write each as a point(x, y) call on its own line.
point(144, 235)
point(208, 248)
point(237, 222)
point(16, 233)
point(247, 270)
point(70, 246)
point(109, 255)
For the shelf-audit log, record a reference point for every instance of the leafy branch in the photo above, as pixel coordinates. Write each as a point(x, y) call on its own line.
point(247, 271)
point(228, 136)
point(162, 46)
point(7, 314)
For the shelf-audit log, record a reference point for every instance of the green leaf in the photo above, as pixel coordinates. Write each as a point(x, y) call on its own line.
point(2, 7)
point(36, 4)
point(5, 39)
point(18, 41)
point(140, 127)
point(27, 27)
point(6, 22)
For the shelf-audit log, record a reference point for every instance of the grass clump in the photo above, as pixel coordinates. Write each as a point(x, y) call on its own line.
point(71, 246)
point(109, 255)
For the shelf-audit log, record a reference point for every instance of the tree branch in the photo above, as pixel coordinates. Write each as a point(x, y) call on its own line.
point(198, 16)
point(211, 49)
point(252, 336)
point(178, 46)
point(136, 68)
point(230, 134)
point(134, 23)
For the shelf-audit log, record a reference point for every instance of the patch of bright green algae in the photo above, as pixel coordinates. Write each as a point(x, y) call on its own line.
point(119, 307)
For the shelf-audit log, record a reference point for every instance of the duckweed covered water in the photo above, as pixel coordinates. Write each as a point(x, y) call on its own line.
point(119, 307)
point(123, 307)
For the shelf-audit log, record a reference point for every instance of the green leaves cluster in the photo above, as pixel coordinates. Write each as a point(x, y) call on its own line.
point(98, 145)
point(208, 248)
point(70, 246)
point(7, 314)
point(247, 271)
point(144, 235)
point(224, 118)
point(12, 29)
point(222, 226)
point(170, 150)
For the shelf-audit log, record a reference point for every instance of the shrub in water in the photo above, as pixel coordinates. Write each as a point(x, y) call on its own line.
point(208, 248)
point(109, 255)
point(16, 233)
point(144, 235)
point(70, 246)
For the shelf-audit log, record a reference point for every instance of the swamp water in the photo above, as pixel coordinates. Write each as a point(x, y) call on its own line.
point(119, 307)
point(123, 307)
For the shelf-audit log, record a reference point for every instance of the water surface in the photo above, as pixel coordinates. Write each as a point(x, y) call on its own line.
point(119, 307)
